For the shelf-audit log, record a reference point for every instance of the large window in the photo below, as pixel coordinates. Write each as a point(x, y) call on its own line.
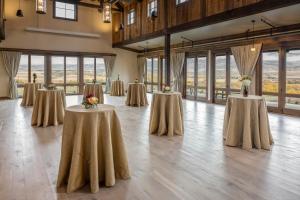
point(131, 17)
point(220, 77)
point(180, 1)
point(190, 77)
point(65, 10)
point(94, 69)
point(235, 83)
point(23, 75)
point(152, 7)
point(292, 100)
point(270, 77)
point(38, 68)
point(202, 74)
point(152, 74)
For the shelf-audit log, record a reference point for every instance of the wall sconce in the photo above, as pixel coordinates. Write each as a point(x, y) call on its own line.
point(41, 6)
point(19, 12)
point(107, 13)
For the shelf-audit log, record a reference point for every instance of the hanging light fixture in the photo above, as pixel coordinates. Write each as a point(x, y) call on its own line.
point(41, 6)
point(107, 13)
point(19, 11)
point(253, 47)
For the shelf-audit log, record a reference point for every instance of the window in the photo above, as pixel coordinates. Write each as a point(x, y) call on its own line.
point(220, 74)
point(23, 74)
point(152, 74)
point(180, 1)
point(94, 69)
point(58, 69)
point(65, 10)
point(270, 77)
point(131, 17)
point(292, 100)
point(190, 77)
point(152, 7)
point(38, 67)
point(72, 75)
point(202, 81)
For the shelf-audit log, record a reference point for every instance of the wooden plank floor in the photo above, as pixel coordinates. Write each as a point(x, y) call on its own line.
point(195, 166)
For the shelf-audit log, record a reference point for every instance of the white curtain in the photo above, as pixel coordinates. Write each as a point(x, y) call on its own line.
point(11, 60)
point(141, 63)
point(109, 62)
point(246, 61)
point(177, 61)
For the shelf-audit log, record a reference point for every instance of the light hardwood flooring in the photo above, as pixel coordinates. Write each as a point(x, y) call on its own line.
point(195, 166)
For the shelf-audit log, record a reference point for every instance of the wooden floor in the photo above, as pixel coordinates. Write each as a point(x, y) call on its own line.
point(195, 166)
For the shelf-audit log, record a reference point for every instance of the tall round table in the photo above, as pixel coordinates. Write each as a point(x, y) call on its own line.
point(49, 108)
point(29, 93)
point(136, 95)
point(117, 88)
point(246, 123)
point(94, 89)
point(93, 150)
point(166, 117)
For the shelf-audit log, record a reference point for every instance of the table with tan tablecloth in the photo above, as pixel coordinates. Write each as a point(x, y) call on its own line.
point(166, 117)
point(49, 108)
point(246, 123)
point(94, 89)
point(136, 95)
point(29, 93)
point(117, 88)
point(93, 150)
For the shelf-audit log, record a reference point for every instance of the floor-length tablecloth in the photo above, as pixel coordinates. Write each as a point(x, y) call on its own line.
point(94, 89)
point(136, 95)
point(29, 93)
point(49, 108)
point(246, 123)
point(93, 150)
point(166, 117)
point(117, 88)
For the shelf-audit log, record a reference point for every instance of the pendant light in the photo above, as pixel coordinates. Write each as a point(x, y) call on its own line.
point(19, 12)
point(41, 6)
point(253, 47)
point(107, 13)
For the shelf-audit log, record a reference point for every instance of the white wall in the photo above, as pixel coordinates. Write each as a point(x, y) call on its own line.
point(89, 20)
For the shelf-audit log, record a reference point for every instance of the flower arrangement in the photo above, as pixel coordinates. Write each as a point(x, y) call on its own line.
point(136, 80)
point(34, 77)
point(246, 81)
point(50, 86)
point(90, 101)
point(166, 89)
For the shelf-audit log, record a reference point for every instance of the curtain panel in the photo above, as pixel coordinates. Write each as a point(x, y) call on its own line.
point(11, 61)
point(177, 61)
point(141, 63)
point(109, 62)
point(246, 61)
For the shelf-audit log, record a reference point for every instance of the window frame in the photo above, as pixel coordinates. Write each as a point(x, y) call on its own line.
point(130, 17)
point(150, 9)
point(64, 18)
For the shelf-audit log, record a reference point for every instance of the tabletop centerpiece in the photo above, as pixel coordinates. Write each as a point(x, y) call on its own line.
point(34, 77)
point(166, 89)
point(246, 81)
point(118, 77)
point(94, 81)
point(50, 86)
point(136, 80)
point(90, 101)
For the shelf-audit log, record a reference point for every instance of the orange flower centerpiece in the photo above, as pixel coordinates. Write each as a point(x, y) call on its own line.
point(90, 101)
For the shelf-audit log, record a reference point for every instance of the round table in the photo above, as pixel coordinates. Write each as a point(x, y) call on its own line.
point(29, 93)
point(136, 95)
point(94, 89)
point(49, 108)
point(166, 117)
point(246, 123)
point(93, 150)
point(117, 88)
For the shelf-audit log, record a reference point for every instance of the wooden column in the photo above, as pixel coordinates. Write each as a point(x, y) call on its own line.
point(167, 52)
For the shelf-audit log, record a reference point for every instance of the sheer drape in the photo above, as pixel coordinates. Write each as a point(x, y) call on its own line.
point(109, 62)
point(11, 60)
point(246, 60)
point(177, 61)
point(141, 62)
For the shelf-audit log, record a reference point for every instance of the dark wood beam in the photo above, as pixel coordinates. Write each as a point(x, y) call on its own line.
point(167, 54)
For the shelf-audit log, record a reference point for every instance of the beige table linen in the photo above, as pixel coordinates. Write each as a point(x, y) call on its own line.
point(117, 88)
point(136, 95)
point(29, 93)
point(49, 108)
point(92, 149)
point(166, 117)
point(246, 123)
point(94, 89)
